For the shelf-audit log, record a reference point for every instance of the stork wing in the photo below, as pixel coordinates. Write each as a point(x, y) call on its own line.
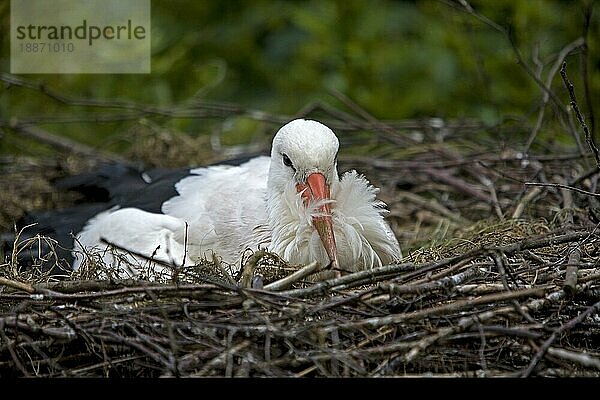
point(129, 240)
point(224, 207)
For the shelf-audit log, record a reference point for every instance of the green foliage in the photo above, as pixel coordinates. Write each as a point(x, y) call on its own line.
point(397, 59)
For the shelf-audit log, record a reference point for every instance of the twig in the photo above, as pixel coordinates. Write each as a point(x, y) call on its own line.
point(495, 202)
point(65, 144)
point(173, 290)
point(222, 269)
point(524, 201)
point(501, 261)
point(446, 308)
point(446, 283)
point(245, 280)
point(545, 96)
point(564, 328)
point(221, 358)
point(395, 269)
point(561, 186)
point(433, 205)
point(293, 278)
point(74, 286)
point(582, 359)
point(587, 13)
point(17, 285)
point(382, 126)
point(588, 137)
point(11, 349)
point(458, 184)
point(570, 282)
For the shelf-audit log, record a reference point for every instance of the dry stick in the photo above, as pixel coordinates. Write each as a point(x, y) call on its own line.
point(567, 203)
point(248, 270)
point(580, 358)
point(431, 204)
point(556, 296)
point(500, 261)
point(561, 186)
point(222, 269)
point(574, 257)
point(229, 358)
point(65, 333)
point(477, 289)
point(89, 285)
point(524, 201)
point(198, 109)
point(65, 144)
point(17, 285)
point(495, 201)
point(518, 331)
point(220, 359)
point(171, 334)
point(132, 343)
point(14, 255)
point(496, 256)
point(175, 276)
point(458, 305)
point(588, 137)
point(293, 278)
point(446, 283)
point(172, 290)
point(335, 283)
point(11, 350)
point(317, 105)
point(466, 322)
point(590, 277)
point(379, 125)
point(434, 277)
point(459, 184)
point(587, 11)
point(463, 324)
point(35, 345)
point(104, 364)
point(148, 340)
point(395, 269)
point(171, 265)
point(141, 110)
point(545, 97)
point(565, 327)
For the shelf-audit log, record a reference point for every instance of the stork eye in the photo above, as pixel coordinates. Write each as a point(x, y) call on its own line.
point(287, 162)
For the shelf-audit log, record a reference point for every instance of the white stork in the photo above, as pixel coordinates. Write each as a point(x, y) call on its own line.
point(292, 203)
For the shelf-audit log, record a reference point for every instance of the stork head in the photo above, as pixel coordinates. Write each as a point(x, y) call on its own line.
point(304, 163)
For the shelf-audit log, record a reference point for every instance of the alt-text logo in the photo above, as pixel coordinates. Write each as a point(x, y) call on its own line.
point(80, 36)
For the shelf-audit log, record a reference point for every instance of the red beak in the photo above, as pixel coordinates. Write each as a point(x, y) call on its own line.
point(316, 189)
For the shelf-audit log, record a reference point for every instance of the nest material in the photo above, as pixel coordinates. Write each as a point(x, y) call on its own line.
point(490, 310)
point(499, 279)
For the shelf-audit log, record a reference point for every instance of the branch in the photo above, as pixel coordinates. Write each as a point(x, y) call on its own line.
point(458, 305)
point(63, 143)
point(588, 137)
point(294, 277)
point(561, 186)
point(566, 327)
point(17, 285)
point(560, 60)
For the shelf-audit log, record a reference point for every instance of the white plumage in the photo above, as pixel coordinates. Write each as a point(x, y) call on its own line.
point(292, 203)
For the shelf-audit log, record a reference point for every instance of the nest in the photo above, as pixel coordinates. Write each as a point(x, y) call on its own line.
point(500, 279)
point(522, 306)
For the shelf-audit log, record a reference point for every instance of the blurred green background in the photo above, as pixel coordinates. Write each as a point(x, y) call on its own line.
point(397, 59)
